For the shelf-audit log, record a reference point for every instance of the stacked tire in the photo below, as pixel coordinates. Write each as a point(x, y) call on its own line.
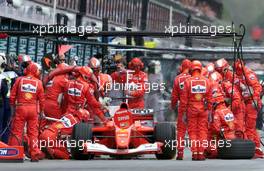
point(237, 149)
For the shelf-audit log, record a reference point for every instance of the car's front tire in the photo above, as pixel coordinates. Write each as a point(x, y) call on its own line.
point(164, 132)
point(81, 132)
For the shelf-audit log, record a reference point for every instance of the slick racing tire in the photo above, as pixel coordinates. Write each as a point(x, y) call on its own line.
point(81, 132)
point(236, 149)
point(164, 132)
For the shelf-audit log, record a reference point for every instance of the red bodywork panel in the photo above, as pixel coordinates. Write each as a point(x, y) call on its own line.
point(11, 153)
point(111, 136)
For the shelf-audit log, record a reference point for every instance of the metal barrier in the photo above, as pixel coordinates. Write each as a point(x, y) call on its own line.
point(38, 47)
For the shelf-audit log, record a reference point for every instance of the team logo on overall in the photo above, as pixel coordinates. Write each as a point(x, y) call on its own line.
point(216, 92)
point(59, 125)
point(252, 76)
point(198, 96)
point(181, 81)
point(68, 121)
point(198, 86)
point(91, 91)
point(75, 89)
point(74, 92)
point(50, 83)
point(229, 117)
point(29, 86)
point(28, 96)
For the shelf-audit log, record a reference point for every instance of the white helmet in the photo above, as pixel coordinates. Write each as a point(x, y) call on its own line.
point(39, 66)
point(94, 63)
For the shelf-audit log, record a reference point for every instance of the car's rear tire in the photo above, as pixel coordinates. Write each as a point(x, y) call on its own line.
point(237, 149)
point(81, 132)
point(165, 133)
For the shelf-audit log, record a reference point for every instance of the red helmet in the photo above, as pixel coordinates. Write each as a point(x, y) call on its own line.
point(205, 72)
point(23, 58)
point(210, 67)
point(94, 63)
point(105, 80)
point(32, 69)
point(135, 62)
point(85, 72)
point(221, 65)
point(216, 76)
point(196, 65)
point(83, 115)
point(186, 64)
point(239, 66)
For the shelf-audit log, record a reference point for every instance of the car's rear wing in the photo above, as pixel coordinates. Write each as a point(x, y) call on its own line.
point(142, 114)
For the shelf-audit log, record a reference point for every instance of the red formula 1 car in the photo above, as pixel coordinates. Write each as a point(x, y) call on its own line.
point(123, 135)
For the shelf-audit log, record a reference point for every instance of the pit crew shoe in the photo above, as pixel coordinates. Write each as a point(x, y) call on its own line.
point(258, 153)
point(34, 159)
point(201, 156)
point(212, 154)
point(50, 153)
point(41, 155)
point(47, 154)
point(194, 156)
point(179, 155)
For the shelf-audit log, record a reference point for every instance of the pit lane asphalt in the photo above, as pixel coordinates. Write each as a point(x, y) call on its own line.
point(146, 163)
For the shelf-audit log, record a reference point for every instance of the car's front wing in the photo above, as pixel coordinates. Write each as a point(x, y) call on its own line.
point(96, 148)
